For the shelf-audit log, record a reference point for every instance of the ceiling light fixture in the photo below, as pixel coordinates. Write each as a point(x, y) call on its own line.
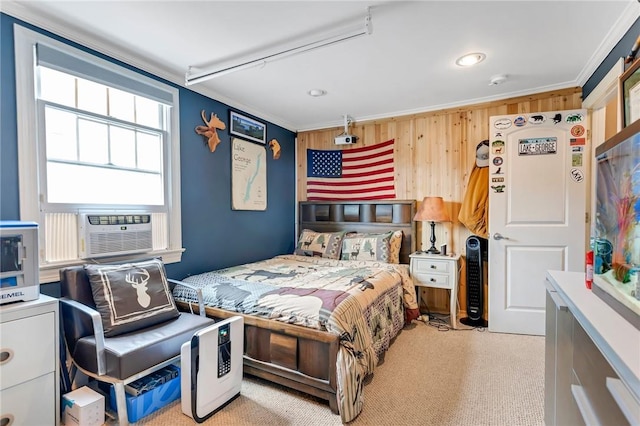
point(317, 92)
point(193, 78)
point(470, 59)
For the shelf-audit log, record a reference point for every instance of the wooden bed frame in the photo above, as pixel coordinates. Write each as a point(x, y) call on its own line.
point(302, 358)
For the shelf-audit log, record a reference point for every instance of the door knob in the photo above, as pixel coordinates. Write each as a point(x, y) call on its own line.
point(498, 236)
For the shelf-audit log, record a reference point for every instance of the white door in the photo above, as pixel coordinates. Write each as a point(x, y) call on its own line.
point(536, 212)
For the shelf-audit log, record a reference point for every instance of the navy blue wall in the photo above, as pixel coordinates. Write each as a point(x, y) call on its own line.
point(214, 235)
point(620, 50)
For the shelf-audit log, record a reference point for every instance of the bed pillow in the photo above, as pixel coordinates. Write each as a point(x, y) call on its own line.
point(395, 243)
point(319, 244)
point(131, 296)
point(366, 247)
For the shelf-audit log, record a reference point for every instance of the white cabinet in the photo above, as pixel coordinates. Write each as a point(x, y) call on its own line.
point(592, 358)
point(29, 376)
point(437, 271)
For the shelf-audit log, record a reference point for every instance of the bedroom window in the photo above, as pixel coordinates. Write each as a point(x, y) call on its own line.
point(93, 137)
point(113, 139)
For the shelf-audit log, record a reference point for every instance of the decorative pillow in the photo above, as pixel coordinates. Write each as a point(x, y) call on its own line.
point(131, 296)
point(313, 243)
point(394, 246)
point(366, 247)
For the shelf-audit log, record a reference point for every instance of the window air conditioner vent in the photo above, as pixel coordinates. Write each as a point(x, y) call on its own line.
point(110, 234)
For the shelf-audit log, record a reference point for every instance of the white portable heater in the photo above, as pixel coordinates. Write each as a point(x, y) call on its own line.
point(211, 368)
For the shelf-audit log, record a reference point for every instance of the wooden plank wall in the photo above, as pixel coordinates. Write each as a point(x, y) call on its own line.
point(434, 155)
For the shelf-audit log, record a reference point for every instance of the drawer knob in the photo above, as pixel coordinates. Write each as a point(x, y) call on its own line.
point(5, 356)
point(6, 420)
point(433, 280)
point(433, 267)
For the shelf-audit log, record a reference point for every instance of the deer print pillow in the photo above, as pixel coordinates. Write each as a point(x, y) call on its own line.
point(131, 296)
point(367, 247)
point(311, 243)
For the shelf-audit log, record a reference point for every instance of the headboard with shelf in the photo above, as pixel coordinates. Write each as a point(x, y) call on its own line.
point(376, 216)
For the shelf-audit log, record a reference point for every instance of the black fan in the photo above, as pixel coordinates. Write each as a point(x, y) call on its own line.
point(476, 256)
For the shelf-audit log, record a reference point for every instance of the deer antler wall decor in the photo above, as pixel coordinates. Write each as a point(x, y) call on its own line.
point(209, 131)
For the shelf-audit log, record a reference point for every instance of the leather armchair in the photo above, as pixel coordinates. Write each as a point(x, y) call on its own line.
point(126, 357)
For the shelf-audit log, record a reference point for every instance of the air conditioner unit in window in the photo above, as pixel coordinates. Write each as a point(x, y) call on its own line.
point(112, 234)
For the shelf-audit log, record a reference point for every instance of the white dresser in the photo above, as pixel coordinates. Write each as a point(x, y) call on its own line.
point(29, 353)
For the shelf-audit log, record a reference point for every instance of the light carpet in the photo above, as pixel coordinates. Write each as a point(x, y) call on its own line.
point(431, 375)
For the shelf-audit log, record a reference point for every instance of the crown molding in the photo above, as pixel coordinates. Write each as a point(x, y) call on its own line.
point(626, 20)
point(442, 107)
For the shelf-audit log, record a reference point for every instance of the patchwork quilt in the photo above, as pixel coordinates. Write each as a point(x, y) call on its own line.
point(363, 302)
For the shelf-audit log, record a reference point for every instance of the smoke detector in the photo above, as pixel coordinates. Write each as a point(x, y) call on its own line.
point(497, 79)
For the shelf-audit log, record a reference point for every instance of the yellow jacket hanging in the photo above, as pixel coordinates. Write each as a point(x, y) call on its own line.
point(474, 213)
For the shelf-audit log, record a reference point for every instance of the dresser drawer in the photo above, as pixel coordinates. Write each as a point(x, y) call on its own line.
point(27, 349)
point(29, 403)
point(431, 265)
point(432, 280)
point(591, 370)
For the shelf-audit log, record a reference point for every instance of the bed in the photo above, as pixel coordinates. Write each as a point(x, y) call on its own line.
point(319, 320)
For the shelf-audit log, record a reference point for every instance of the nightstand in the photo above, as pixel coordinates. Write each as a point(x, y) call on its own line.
point(437, 271)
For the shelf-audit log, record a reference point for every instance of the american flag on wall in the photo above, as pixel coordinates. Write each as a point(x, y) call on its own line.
point(352, 174)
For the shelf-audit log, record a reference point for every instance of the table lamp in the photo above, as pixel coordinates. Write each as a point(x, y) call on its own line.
point(432, 210)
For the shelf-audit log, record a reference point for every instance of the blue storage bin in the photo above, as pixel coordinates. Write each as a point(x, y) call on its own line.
point(150, 401)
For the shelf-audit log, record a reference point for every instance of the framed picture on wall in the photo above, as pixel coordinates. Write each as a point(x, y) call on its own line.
point(630, 94)
point(247, 128)
point(248, 176)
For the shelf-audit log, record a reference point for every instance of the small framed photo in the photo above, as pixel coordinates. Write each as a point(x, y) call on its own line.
point(630, 94)
point(247, 128)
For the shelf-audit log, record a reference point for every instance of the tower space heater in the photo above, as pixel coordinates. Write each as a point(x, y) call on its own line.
point(477, 255)
point(211, 365)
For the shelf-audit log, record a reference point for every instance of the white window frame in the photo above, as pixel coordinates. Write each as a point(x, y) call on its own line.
point(25, 41)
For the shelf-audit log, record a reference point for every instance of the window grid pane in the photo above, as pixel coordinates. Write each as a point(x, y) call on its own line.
point(93, 142)
point(92, 96)
point(58, 87)
point(123, 147)
point(148, 112)
point(149, 151)
point(102, 186)
point(93, 161)
point(61, 134)
point(121, 105)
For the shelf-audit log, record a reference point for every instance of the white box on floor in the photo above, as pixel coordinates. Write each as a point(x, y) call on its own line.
point(83, 407)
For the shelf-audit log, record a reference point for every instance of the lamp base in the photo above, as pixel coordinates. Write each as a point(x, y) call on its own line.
point(433, 249)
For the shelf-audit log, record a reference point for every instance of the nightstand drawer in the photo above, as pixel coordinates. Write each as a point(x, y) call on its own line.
point(431, 280)
point(431, 265)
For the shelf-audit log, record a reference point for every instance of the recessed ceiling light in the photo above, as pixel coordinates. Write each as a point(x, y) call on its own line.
point(470, 59)
point(317, 92)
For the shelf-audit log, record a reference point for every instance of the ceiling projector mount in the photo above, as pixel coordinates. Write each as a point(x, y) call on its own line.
point(345, 138)
point(193, 77)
